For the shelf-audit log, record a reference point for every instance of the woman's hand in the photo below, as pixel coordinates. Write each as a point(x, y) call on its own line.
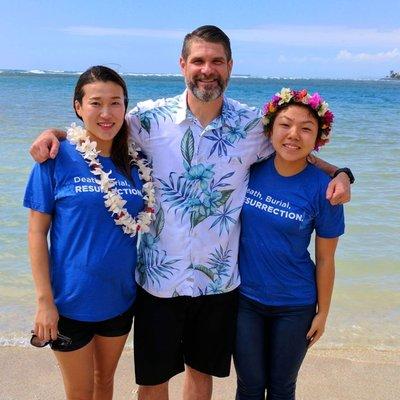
point(317, 329)
point(46, 321)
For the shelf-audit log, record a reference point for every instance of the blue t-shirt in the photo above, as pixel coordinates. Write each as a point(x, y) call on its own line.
point(92, 261)
point(278, 218)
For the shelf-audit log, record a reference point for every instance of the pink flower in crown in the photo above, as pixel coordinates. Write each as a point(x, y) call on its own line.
point(328, 117)
point(275, 99)
point(314, 100)
point(299, 94)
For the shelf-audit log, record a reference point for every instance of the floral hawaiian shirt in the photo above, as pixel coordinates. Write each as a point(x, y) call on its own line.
point(201, 177)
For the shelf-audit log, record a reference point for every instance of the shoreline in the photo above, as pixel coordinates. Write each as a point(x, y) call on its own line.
point(340, 374)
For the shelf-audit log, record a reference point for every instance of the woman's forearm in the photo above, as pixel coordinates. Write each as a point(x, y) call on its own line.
point(39, 256)
point(325, 272)
point(325, 276)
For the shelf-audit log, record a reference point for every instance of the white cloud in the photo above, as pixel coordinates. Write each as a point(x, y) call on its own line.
point(282, 59)
point(345, 55)
point(138, 32)
point(326, 36)
point(290, 35)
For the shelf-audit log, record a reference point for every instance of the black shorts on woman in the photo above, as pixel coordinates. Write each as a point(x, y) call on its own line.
point(82, 332)
point(171, 332)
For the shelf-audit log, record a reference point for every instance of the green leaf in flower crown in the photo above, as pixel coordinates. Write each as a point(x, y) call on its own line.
point(187, 146)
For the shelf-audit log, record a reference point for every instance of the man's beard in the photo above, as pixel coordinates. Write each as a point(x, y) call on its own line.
point(206, 95)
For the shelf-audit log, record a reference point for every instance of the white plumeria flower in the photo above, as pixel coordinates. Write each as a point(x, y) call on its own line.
point(323, 109)
point(112, 199)
point(285, 96)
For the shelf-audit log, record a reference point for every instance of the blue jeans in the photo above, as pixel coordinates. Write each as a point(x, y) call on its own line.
point(270, 346)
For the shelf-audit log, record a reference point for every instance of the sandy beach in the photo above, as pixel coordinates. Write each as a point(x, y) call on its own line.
point(32, 374)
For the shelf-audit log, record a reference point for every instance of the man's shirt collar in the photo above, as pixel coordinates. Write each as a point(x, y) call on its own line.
point(226, 118)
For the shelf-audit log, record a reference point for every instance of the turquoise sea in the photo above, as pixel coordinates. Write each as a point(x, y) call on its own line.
point(366, 305)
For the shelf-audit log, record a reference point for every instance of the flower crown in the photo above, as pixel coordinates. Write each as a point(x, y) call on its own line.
point(314, 101)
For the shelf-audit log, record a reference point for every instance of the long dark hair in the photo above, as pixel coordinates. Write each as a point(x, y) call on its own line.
point(119, 148)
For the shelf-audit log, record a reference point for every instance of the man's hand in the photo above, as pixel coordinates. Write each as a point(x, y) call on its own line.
point(338, 191)
point(46, 145)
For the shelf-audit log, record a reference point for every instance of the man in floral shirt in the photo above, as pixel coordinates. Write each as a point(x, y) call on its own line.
point(201, 145)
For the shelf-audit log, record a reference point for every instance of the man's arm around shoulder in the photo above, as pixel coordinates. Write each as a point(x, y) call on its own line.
point(47, 144)
point(338, 191)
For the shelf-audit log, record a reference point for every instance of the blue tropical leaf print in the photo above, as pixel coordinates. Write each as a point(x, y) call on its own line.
point(179, 193)
point(154, 265)
point(234, 114)
point(201, 173)
point(159, 222)
point(208, 205)
point(233, 279)
point(219, 261)
point(221, 142)
point(221, 182)
point(145, 122)
point(219, 264)
point(187, 148)
point(239, 114)
point(224, 218)
point(252, 124)
point(155, 114)
point(235, 134)
point(195, 193)
point(215, 287)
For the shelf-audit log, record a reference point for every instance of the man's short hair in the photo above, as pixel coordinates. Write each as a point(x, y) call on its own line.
point(208, 33)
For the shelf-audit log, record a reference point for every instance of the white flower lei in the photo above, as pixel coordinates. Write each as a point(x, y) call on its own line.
point(112, 199)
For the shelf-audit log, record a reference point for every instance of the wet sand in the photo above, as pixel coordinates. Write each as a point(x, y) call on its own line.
point(354, 374)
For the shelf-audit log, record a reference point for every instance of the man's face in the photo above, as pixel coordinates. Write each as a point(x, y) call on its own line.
point(206, 70)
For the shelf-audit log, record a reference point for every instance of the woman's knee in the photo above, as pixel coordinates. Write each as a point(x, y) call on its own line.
point(278, 390)
point(76, 393)
point(253, 389)
point(103, 380)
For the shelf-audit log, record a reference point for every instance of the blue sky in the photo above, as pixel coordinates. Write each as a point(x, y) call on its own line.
point(337, 39)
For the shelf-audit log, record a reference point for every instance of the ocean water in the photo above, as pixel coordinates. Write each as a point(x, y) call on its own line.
point(366, 303)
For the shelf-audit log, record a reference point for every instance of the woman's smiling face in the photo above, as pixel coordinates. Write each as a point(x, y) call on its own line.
point(103, 111)
point(294, 133)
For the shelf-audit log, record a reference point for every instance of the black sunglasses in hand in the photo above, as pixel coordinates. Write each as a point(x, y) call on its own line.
point(61, 340)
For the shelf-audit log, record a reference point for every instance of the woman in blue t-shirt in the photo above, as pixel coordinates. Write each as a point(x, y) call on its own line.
point(90, 198)
point(285, 296)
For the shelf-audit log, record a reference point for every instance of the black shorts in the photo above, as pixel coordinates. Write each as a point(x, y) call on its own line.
point(81, 332)
point(171, 332)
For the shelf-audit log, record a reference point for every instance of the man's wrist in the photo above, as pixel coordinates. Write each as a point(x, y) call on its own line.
point(59, 134)
point(347, 171)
